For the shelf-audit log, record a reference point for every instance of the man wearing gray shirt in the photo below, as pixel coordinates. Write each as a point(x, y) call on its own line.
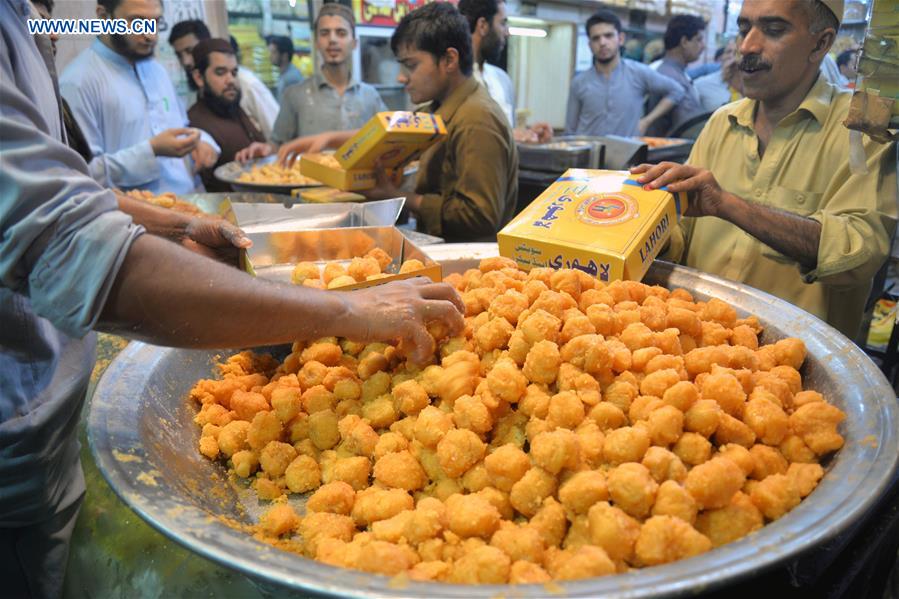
point(608, 98)
point(331, 100)
point(684, 43)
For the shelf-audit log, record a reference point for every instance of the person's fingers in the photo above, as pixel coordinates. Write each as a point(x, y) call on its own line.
point(640, 168)
point(181, 131)
point(446, 312)
point(235, 235)
point(688, 184)
point(654, 172)
point(421, 343)
point(442, 291)
point(675, 173)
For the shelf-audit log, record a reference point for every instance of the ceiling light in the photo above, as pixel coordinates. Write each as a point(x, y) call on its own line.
point(527, 32)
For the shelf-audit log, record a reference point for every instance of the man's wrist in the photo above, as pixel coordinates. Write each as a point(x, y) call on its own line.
point(731, 207)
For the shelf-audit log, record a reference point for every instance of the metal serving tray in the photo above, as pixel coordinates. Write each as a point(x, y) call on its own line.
point(144, 440)
point(259, 218)
point(230, 172)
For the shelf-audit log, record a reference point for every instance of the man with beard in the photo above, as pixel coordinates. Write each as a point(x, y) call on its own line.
point(489, 32)
point(255, 98)
point(218, 110)
point(608, 98)
point(776, 204)
point(684, 44)
point(129, 112)
point(331, 100)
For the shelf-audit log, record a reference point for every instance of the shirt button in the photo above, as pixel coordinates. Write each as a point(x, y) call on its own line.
point(800, 199)
point(758, 193)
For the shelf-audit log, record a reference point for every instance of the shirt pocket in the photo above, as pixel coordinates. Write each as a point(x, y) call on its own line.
point(797, 201)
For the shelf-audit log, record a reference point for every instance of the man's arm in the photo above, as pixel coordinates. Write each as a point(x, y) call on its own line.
point(661, 109)
point(573, 112)
point(170, 296)
point(130, 167)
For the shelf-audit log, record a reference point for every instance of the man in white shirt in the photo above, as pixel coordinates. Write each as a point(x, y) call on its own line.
point(722, 86)
point(256, 100)
point(489, 32)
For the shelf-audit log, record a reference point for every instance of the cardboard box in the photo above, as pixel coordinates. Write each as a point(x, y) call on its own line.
point(601, 222)
point(321, 168)
point(274, 254)
point(391, 138)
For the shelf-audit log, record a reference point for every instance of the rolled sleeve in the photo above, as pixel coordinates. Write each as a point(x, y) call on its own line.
point(129, 167)
point(858, 217)
point(63, 238)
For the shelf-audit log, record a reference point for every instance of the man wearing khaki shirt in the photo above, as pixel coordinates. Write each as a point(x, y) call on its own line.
point(792, 219)
point(467, 184)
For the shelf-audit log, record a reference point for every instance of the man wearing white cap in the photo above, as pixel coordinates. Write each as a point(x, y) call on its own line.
point(773, 168)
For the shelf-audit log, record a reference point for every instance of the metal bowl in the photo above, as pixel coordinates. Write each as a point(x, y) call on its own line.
point(145, 443)
point(230, 173)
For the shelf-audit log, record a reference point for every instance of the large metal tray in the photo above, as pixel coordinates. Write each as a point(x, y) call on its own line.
point(230, 172)
point(253, 218)
point(145, 443)
point(559, 155)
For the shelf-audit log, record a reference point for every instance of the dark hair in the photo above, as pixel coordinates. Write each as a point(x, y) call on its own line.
point(845, 58)
point(193, 26)
point(680, 27)
point(109, 5)
point(435, 28)
point(334, 9)
point(283, 43)
point(234, 45)
point(603, 16)
point(720, 52)
point(473, 10)
point(203, 59)
point(47, 4)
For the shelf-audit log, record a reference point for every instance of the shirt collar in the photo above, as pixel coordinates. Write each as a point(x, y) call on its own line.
point(109, 54)
point(816, 103)
point(321, 82)
point(455, 100)
point(674, 64)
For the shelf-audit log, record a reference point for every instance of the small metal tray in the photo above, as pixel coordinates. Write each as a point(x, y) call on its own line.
point(275, 253)
point(261, 218)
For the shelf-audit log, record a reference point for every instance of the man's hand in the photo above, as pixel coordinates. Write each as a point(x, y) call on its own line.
point(706, 195)
point(257, 149)
point(215, 238)
point(401, 311)
point(386, 187)
point(643, 125)
point(311, 144)
point(176, 142)
point(204, 156)
point(544, 132)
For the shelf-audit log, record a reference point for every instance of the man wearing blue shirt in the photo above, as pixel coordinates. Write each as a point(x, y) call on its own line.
point(129, 111)
point(280, 52)
point(608, 98)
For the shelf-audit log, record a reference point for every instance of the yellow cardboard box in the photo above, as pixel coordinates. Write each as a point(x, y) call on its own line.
point(322, 168)
point(391, 138)
point(601, 222)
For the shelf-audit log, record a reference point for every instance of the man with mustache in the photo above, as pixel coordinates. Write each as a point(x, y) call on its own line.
point(774, 200)
point(218, 110)
point(129, 111)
